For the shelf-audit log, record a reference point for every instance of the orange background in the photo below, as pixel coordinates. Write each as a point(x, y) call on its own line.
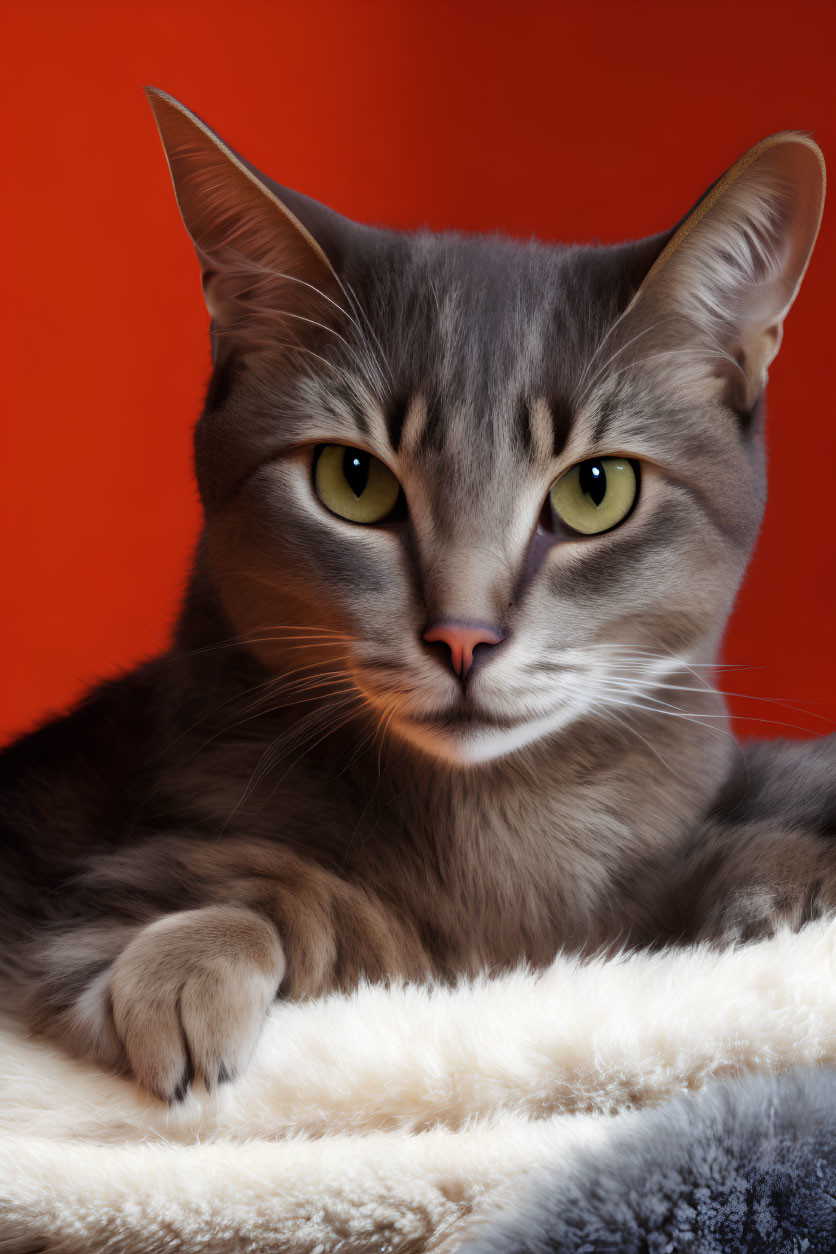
point(570, 120)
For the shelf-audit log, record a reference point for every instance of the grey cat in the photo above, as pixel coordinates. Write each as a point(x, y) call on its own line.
point(440, 695)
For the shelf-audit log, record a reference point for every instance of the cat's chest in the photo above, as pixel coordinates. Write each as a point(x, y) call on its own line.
point(489, 875)
point(495, 880)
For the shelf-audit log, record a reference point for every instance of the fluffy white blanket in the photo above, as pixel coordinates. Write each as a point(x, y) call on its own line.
point(383, 1121)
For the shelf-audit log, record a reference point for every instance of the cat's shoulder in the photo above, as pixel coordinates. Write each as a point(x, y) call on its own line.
point(789, 781)
point(765, 854)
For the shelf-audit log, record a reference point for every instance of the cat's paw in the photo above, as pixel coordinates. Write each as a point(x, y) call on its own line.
point(742, 917)
point(754, 912)
point(189, 995)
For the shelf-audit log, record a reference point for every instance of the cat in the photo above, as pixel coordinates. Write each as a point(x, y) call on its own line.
point(439, 698)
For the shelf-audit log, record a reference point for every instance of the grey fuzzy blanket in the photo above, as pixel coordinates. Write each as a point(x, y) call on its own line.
point(746, 1167)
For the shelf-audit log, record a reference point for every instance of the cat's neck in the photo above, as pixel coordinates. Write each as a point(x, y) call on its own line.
point(556, 845)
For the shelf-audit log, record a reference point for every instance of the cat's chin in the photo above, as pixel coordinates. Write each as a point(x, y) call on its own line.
point(475, 743)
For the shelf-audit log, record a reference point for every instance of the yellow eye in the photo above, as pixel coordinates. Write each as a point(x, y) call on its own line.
point(355, 485)
point(596, 495)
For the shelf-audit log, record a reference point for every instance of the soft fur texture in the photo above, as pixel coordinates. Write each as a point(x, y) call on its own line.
point(389, 1119)
point(748, 1167)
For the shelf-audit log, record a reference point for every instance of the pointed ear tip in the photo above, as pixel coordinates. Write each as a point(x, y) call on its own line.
point(157, 99)
point(161, 102)
point(798, 139)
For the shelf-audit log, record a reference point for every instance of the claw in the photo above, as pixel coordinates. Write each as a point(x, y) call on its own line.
point(184, 1084)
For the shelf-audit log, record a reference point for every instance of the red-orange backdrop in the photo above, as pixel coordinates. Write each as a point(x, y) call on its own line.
point(570, 120)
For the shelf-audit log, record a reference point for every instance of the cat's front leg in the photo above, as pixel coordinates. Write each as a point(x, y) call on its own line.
point(180, 944)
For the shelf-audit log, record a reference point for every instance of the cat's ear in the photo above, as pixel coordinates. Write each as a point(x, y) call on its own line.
point(267, 255)
point(731, 270)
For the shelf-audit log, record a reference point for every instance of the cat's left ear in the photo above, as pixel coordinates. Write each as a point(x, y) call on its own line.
point(269, 256)
point(726, 279)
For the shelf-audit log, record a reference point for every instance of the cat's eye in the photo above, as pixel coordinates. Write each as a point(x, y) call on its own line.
point(354, 485)
point(596, 495)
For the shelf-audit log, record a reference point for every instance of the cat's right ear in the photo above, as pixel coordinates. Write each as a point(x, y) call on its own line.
point(261, 248)
point(717, 295)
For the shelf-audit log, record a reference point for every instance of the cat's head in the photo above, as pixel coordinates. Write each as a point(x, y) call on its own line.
point(480, 487)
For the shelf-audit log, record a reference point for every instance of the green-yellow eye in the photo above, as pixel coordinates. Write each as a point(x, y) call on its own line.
point(355, 485)
point(596, 495)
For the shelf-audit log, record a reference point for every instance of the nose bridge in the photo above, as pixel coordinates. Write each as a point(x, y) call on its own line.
point(467, 590)
point(470, 540)
point(470, 581)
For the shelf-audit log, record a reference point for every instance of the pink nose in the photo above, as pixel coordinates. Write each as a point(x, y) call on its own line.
point(461, 639)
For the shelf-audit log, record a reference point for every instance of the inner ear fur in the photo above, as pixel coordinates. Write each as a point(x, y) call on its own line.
point(260, 264)
point(732, 269)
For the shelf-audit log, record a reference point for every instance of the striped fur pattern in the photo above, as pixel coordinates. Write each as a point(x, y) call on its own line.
point(301, 791)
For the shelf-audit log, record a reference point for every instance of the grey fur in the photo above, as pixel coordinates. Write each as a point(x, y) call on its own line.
point(746, 1167)
point(302, 755)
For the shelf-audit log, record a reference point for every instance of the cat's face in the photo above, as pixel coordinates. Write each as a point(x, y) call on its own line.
point(477, 489)
point(478, 387)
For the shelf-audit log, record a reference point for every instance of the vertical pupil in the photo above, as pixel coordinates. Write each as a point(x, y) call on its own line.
point(356, 470)
point(593, 481)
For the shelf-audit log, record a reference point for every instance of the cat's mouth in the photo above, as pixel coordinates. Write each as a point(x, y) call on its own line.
point(464, 733)
point(463, 736)
point(469, 735)
point(464, 719)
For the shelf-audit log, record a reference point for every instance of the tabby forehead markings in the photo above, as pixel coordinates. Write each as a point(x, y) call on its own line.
point(433, 435)
point(411, 424)
point(395, 420)
point(541, 427)
point(541, 418)
point(562, 423)
point(522, 425)
point(604, 421)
